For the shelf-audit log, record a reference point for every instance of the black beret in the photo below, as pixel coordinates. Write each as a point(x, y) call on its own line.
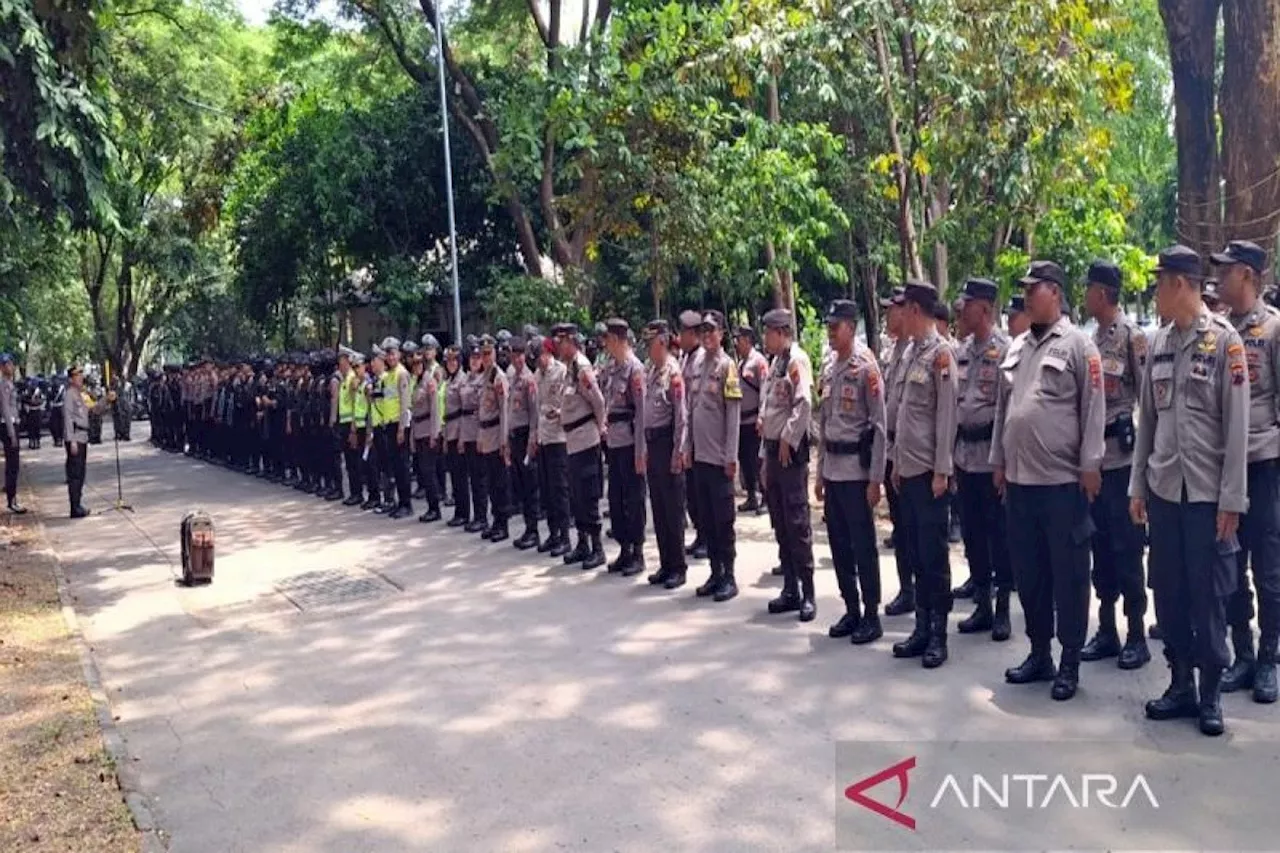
point(1179, 259)
point(690, 319)
point(842, 309)
point(1106, 274)
point(922, 293)
point(1044, 271)
point(980, 288)
point(1242, 252)
point(778, 318)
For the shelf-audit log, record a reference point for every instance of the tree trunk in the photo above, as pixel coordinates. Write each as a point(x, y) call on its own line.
point(783, 287)
point(1250, 109)
point(907, 244)
point(1191, 27)
point(939, 195)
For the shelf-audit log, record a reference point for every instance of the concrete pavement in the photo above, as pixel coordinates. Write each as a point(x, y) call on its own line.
point(464, 696)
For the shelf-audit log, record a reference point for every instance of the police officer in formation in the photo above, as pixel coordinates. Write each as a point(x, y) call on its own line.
point(582, 414)
point(624, 392)
point(753, 369)
point(9, 413)
point(75, 426)
point(904, 601)
point(666, 425)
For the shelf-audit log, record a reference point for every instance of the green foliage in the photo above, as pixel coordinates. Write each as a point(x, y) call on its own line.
point(813, 334)
point(513, 300)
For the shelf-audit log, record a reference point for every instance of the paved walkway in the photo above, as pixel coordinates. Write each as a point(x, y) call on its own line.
point(481, 699)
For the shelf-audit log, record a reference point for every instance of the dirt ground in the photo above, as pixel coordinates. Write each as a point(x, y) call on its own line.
point(58, 788)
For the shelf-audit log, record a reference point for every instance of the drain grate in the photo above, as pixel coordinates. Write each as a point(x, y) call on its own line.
point(332, 586)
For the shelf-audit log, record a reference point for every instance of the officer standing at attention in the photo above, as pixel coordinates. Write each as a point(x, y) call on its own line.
point(625, 445)
point(752, 369)
point(426, 437)
point(75, 426)
point(851, 463)
point(895, 377)
point(982, 516)
point(548, 447)
point(1047, 452)
point(922, 468)
point(398, 414)
point(1190, 477)
point(582, 413)
point(491, 441)
point(690, 366)
point(1117, 541)
point(785, 414)
point(472, 386)
point(712, 441)
point(1242, 266)
point(523, 424)
point(9, 432)
point(455, 450)
point(666, 425)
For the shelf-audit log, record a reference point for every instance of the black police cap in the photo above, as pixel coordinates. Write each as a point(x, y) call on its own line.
point(942, 311)
point(745, 331)
point(897, 297)
point(1242, 252)
point(617, 326)
point(712, 320)
point(1105, 273)
point(1179, 259)
point(778, 318)
point(980, 288)
point(690, 320)
point(1044, 271)
point(1017, 304)
point(922, 293)
point(654, 328)
point(842, 309)
point(563, 329)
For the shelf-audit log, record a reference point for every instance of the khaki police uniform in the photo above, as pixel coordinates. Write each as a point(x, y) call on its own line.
point(752, 372)
point(785, 415)
point(9, 435)
point(522, 423)
point(666, 424)
point(582, 414)
point(553, 477)
point(491, 439)
point(625, 393)
point(715, 399)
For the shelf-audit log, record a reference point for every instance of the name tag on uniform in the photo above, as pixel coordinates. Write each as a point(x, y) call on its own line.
point(1112, 366)
point(1056, 363)
point(918, 374)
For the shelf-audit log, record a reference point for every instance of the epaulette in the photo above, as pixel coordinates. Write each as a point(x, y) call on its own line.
point(1273, 310)
point(1222, 322)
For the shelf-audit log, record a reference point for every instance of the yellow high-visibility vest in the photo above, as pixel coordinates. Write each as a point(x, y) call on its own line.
point(346, 399)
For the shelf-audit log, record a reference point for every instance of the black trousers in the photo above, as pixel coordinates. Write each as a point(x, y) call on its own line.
point(498, 480)
point(32, 420)
point(425, 465)
point(460, 476)
point(1117, 546)
point(1049, 531)
point(982, 521)
point(922, 537)
point(786, 490)
point(1259, 548)
point(584, 489)
point(77, 464)
point(10, 466)
point(851, 531)
point(351, 457)
point(666, 496)
point(901, 559)
point(396, 464)
point(477, 477)
point(714, 496)
point(1192, 576)
point(55, 424)
point(749, 458)
point(626, 496)
point(692, 504)
point(553, 476)
point(524, 478)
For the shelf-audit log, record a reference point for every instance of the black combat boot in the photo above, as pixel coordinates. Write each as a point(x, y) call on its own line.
point(1000, 627)
point(1037, 667)
point(1179, 698)
point(904, 602)
point(788, 601)
point(965, 590)
point(547, 544)
point(1239, 676)
point(982, 618)
point(808, 606)
point(562, 544)
point(579, 552)
point(623, 560)
point(636, 566)
point(728, 586)
point(458, 521)
point(659, 577)
point(713, 582)
point(935, 652)
point(1106, 643)
point(1134, 654)
point(675, 579)
point(868, 630)
point(696, 546)
point(1264, 677)
point(751, 504)
point(499, 532)
point(369, 504)
point(479, 524)
point(595, 557)
point(1067, 680)
point(527, 540)
point(845, 625)
point(777, 571)
point(915, 644)
point(431, 515)
point(1210, 709)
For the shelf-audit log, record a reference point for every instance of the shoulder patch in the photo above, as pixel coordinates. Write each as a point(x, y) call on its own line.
point(1095, 371)
point(732, 390)
point(873, 380)
point(793, 371)
point(942, 363)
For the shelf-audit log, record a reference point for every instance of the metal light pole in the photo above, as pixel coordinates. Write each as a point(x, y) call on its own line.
point(448, 177)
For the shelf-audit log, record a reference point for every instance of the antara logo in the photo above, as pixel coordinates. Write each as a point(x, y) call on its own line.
point(857, 792)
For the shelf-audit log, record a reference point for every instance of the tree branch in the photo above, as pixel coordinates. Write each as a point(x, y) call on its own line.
point(541, 22)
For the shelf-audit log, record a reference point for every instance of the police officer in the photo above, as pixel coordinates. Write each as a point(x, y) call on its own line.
point(455, 447)
point(472, 388)
point(1117, 542)
point(895, 377)
point(752, 370)
point(666, 424)
point(9, 432)
point(712, 440)
point(1018, 321)
point(785, 415)
point(922, 469)
point(691, 356)
point(1047, 451)
point(348, 424)
point(523, 423)
point(1242, 265)
point(549, 448)
point(583, 416)
point(57, 395)
point(75, 426)
point(433, 368)
point(851, 463)
point(32, 409)
point(624, 394)
point(426, 435)
point(982, 516)
point(1190, 478)
point(492, 441)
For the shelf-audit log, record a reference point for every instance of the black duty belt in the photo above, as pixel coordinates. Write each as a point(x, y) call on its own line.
point(491, 423)
point(621, 417)
point(467, 411)
point(976, 433)
point(1118, 427)
point(580, 422)
point(520, 431)
point(749, 413)
point(417, 419)
point(452, 416)
point(659, 433)
point(843, 448)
